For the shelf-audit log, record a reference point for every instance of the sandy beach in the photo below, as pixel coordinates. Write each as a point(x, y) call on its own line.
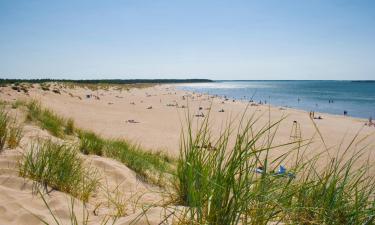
point(159, 112)
point(153, 118)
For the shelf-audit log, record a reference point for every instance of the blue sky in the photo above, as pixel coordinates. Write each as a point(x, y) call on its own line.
point(268, 39)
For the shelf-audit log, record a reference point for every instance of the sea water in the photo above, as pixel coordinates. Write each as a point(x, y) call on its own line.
point(357, 98)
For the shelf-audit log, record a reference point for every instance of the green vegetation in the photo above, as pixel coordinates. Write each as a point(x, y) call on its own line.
point(75, 219)
point(219, 183)
point(10, 131)
point(106, 86)
point(18, 103)
point(49, 120)
point(3, 103)
point(222, 183)
point(60, 167)
point(55, 85)
point(149, 165)
point(45, 86)
point(4, 121)
point(15, 134)
point(69, 128)
point(104, 81)
point(90, 143)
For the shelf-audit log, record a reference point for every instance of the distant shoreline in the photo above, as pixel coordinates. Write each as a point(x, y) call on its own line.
point(275, 107)
point(354, 97)
point(108, 81)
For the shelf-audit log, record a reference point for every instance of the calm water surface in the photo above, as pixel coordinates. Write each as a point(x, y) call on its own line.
point(357, 98)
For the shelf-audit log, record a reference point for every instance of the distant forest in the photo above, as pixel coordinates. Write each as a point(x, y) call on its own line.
point(107, 81)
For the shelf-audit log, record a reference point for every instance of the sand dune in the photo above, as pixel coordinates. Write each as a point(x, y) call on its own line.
point(19, 204)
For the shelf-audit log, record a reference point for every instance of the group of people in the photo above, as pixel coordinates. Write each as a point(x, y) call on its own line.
point(312, 116)
point(311, 113)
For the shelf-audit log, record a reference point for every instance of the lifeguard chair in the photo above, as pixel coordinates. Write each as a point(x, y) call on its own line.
point(295, 133)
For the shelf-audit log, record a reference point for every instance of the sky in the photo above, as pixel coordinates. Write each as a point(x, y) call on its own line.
point(214, 39)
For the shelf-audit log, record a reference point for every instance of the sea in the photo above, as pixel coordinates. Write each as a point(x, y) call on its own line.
point(356, 98)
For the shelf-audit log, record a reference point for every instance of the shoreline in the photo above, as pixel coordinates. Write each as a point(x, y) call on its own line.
point(159, 127)
point(275, 106)
point(359, 106)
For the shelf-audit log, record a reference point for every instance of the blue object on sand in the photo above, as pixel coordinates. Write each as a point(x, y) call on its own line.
point(282, 170)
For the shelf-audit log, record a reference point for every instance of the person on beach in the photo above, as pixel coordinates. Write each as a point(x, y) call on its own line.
point(370, 123)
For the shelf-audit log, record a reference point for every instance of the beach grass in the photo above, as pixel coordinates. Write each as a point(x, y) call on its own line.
point(15, 131)
point(338, 193)
point(16, 104)
point(69, 127)
point(237, 184)
point(4, 123)
point(106, 86)
point(10, 130)
point(60, 167)
point(55, 124)
point(48, 119)
point(84, 218)
point(149, 165)
point(90, 143)
point(220, 182)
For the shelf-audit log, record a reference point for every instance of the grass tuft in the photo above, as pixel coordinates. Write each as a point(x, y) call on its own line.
point(60, 167)
point(49, 120)
point(4, 122)
point(219, 184)
point(69, 128)
point(90, 143)
point(148, 165)
point(151, 166)
point(15, 134)
point(16, 104)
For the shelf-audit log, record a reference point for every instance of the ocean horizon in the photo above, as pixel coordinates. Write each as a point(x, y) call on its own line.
point(355, 97)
